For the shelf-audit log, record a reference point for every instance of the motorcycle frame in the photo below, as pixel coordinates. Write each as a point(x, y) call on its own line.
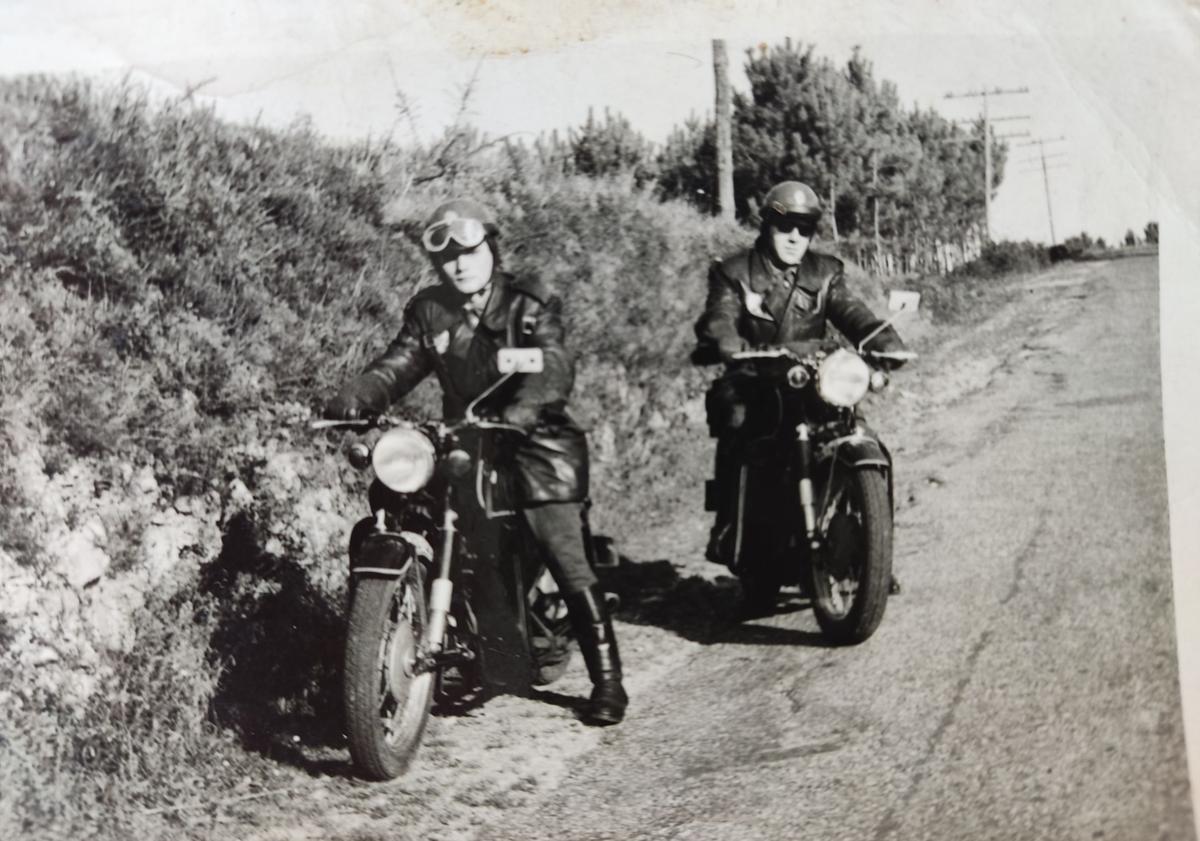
point(812, 461)
point(439, 543)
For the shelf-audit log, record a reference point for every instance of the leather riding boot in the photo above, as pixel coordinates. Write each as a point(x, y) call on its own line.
point(593, 629)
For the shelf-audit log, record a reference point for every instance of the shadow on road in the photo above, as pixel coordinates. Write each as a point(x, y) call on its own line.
point(699, 609)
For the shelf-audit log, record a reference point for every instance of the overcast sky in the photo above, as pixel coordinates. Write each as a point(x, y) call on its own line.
point(1092, 68)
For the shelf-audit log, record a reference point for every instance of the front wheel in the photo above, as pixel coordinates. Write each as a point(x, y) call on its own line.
point(852, 571)
point(387, 699)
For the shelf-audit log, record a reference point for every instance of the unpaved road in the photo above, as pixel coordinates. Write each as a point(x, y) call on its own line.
point(1023, 686)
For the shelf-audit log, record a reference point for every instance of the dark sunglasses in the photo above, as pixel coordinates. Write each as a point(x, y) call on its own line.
point(787, 224)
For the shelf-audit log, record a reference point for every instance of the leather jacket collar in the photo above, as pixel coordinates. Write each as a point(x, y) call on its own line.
point(495, 313)
point(765, 275)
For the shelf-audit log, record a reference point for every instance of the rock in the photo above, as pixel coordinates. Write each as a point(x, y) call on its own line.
point(284, 473)
point(56, 609)
point(109, 615)
point(18, 597)
point(95, 530)
point(239, 494)
point(42, 655)
point(145, 483)
point(77, 687)
point(80, 560)
point(604, 441)
point(695, 412)
point(165, 539)
point(189, 505)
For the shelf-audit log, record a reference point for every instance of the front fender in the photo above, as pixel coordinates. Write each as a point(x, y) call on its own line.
point(374, 552)
point(859, 452)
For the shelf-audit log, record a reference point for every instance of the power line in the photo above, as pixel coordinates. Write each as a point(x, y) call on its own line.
point(1049, 157)
point(974, 120)
point(1038, 170)
point(987, 146)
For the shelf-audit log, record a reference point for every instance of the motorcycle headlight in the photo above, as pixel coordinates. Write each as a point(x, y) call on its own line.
point(843, 378)
point(403, 460)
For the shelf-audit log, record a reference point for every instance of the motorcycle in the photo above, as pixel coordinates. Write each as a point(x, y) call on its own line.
point(814, 495)
point(475, 617)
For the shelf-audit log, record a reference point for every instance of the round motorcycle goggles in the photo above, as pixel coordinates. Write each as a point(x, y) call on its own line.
point(466, 233)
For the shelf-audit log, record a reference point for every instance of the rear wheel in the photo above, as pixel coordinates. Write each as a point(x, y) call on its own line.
point(852, 572)
point(387, 701)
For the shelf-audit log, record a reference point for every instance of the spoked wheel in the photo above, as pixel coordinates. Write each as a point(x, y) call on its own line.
point(387, 701)
point(852, 572)
point(460, 685)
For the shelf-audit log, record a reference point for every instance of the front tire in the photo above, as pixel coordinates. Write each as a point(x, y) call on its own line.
point(852, 573)
point(387, 702)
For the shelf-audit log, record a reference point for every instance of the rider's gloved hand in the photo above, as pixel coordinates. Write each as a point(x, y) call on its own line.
point(347, 406)
point(522, 415)
point(728, 347)
point(888, 364)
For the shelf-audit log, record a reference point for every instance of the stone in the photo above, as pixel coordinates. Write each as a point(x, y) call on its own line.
point(239, 494)
point(80, 560)
point(109, 614)
point(145, 483)
point(165, 539)
point(42, 655)
point(96, 531)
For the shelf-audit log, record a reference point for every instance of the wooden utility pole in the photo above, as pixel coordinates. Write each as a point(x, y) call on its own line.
point(987, 149)
point(1041, 144)
point(724, 131)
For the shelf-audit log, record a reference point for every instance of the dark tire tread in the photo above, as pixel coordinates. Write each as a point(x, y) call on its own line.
point(373, 757)
point(869, 488)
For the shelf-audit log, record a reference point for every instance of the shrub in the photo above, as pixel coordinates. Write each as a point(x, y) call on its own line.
point(1006, 257)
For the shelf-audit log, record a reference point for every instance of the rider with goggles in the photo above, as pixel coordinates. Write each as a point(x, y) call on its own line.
point(454, 328)
point(465, 232)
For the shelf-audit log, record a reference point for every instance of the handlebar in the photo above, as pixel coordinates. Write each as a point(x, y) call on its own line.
point(785, 353)
point(765, 353)
point(386, 421)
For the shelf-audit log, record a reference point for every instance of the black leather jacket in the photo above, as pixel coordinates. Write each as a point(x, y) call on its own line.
point(552, 462)
point(753, 303)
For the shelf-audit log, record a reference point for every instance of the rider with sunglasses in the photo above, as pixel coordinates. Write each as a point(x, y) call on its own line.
point(777, 293)
point(454, 328)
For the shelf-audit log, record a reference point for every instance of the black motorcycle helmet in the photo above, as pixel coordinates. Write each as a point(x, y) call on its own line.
point(791, 202)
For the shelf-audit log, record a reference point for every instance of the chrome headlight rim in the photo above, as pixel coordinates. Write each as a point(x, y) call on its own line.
point(404, 459)
point(843, 379)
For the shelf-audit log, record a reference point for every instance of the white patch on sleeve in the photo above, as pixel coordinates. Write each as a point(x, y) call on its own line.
point(441, 342)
